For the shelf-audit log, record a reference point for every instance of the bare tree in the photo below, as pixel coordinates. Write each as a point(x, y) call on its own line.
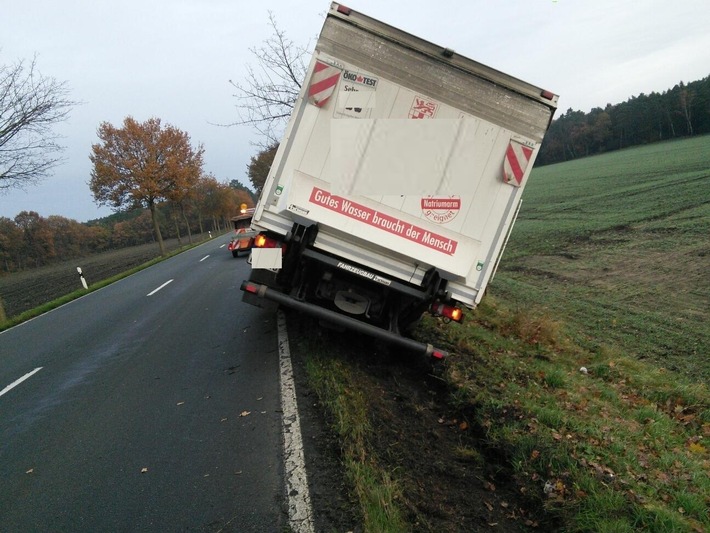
point(269, 91)
point(30, 104)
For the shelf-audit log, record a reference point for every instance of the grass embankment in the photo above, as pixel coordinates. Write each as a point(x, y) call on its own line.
point(587, 367)
point(334, 382)
point(600, 439)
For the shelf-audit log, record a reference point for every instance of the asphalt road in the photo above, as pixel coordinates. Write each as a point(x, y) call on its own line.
point(151, 412)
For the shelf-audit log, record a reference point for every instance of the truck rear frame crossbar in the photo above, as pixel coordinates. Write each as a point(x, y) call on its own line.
point(262, 291)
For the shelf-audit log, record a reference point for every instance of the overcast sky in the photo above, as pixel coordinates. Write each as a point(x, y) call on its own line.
point(173, 59)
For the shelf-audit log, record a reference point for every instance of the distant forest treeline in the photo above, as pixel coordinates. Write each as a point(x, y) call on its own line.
point(681, 111)
point(30, 240)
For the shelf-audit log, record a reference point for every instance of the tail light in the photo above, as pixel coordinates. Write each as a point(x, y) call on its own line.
point(447, 311)
point(264, 241)
point(439, 355)
point(250, 287)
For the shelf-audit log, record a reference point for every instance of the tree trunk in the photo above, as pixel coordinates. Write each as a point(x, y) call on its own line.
point(686, 99)
point(187, 224)
point(156, 228)
point(177, 229)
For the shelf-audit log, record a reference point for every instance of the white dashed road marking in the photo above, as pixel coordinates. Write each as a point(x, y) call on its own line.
point(151, 293)
point(18, 381)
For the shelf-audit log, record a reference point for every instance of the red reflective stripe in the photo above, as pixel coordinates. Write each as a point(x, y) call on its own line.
point(514, 164)
point(323, 85)
point(517, 157)
point(320, 66)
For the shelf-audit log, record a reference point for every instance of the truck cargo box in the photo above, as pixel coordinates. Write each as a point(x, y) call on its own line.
point(407, 160)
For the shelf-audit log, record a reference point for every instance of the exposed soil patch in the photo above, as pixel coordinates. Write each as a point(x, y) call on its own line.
point(451, 481)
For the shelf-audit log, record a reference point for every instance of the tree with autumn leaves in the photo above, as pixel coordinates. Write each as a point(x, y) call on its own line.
point(143, 163)
point(146, 171)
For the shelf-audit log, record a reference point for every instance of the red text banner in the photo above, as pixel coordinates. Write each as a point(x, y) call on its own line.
point(382, 221)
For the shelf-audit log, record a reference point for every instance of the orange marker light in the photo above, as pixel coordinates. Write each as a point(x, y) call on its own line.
point(260, 240)
point(448, 311)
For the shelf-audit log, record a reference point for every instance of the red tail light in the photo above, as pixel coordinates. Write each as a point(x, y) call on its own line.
point(448, 311)
point(439, 354)
point(250, 287)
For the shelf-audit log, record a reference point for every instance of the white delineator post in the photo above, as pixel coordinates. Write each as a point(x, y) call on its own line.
point(81, 275)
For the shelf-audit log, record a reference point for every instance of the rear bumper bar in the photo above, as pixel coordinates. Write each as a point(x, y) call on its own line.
point(262, 291)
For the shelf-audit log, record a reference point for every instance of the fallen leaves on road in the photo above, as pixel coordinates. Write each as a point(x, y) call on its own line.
point(244, 413)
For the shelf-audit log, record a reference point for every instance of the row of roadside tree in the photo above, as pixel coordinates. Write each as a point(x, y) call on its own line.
point(31, 240)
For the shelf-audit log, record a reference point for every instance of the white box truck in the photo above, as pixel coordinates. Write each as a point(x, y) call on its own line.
point(397, 182)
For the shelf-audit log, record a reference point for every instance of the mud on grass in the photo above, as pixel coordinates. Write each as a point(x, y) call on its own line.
point(449, 480)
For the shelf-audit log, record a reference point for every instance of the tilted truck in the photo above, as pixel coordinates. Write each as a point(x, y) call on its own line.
point(396, 184)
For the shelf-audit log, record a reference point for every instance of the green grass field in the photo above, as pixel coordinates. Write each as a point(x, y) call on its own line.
point(618, 247)
point(587, 363)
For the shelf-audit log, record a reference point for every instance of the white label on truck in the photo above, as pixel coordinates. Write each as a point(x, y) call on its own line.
point(354, 102)
point(360, 79)
point(384, 222)
point(356, 98)
point(364, 273)
point(298, 209)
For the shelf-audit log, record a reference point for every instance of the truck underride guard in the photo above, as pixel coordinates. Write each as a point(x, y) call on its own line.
point(262, 291)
